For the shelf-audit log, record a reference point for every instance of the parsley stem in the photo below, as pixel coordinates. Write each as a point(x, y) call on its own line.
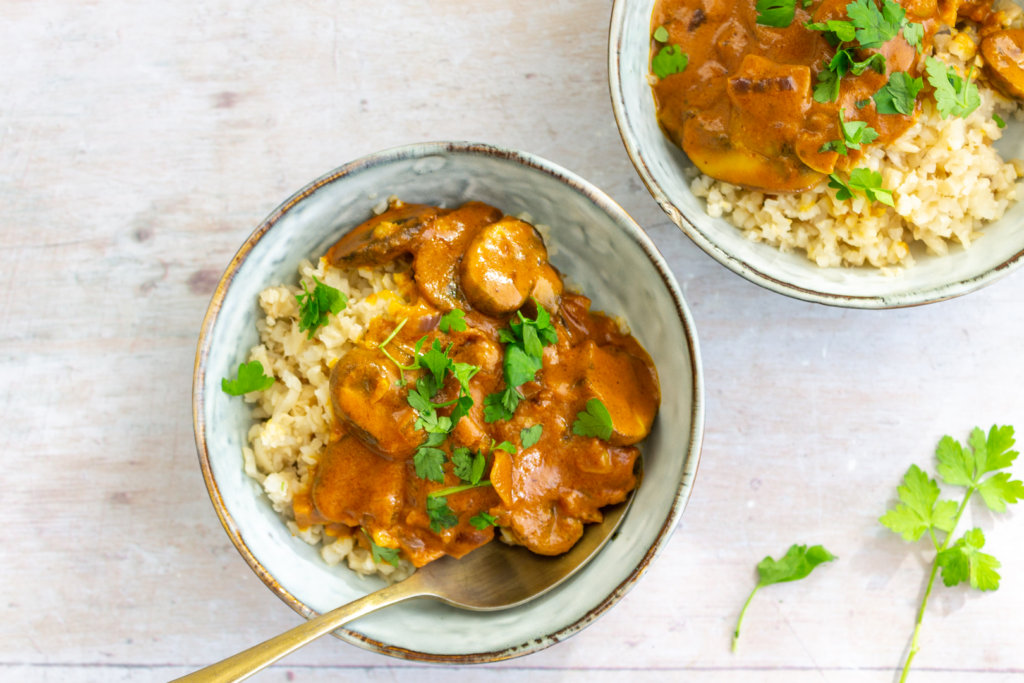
point(447, 403)
point(394, 333)
point(931, 581)
point(739, 622)
point(444, 493)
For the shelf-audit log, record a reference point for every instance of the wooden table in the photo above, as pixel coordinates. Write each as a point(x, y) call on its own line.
point(141, 142)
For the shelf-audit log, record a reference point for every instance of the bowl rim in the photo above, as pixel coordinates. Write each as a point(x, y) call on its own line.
point(742, 268)
point(618, 216)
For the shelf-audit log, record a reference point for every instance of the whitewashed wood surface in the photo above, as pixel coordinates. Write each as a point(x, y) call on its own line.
point(142, 141)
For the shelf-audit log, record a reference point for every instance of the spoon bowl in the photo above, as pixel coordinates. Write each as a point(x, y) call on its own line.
point(495, 576)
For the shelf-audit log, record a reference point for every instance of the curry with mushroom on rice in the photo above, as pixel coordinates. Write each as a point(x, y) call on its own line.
point(493, 399)
point(749, 101)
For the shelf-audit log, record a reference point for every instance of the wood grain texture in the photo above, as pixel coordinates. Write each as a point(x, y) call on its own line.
point(141, 142)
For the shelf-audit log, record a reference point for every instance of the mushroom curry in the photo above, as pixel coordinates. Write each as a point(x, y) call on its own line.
point(775, 95)
point(494, 398)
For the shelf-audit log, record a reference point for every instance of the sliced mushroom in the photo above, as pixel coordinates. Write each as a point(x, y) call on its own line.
point(384, 237)
point(625, 384)
point(1003, 52)
point(502, 265)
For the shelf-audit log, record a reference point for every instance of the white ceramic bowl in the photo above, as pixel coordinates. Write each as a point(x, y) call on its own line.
point(599, 246)
point(661, 164)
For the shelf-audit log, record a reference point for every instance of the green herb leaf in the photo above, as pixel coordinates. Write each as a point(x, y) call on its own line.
point(856, 133)
point(956, 464)
point(595, 421)
point(531, 435)
point(483, 520)
point(440, 515)
point(899, 95)
point(921, 509)
point(914, 34)
point(250, 378)
point(520, 367)
point(997, 453)
point(494, 408)
point(844, 31)
point(776, 13)
point(315, 306)
point(999, 120)
point(433, 423)
point(998, 491)
point(436, 360)
point(505, 446)
point(669, 60)
point(461, 409)
point(469, 466)
point(429, 463)
point(964, 561)
point(380, 553)
point(870, 183)
point(453, 320)
point(827, 88)
point(860, 104)
point(661, 34)
point(463, 372)
point(875, 28)
point(797, 563)
point(954, 95)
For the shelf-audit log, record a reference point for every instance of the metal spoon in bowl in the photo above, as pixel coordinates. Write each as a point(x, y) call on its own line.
point(495, 576)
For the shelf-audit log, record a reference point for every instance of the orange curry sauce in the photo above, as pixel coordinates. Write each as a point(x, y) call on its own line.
point(743, 109)
point(490, 266)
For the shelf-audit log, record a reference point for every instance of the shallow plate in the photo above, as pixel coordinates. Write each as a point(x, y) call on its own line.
point(660, 165)
point(598, 245)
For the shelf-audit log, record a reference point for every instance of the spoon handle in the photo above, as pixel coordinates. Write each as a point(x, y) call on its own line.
point(245, 664)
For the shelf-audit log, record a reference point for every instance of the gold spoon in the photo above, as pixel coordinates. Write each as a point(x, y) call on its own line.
point(495, 576)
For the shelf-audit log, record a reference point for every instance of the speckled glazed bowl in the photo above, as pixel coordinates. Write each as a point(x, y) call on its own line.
point(598, 246)
point(661, 164)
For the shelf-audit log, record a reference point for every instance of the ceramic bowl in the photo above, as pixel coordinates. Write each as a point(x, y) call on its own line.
point(661, 165)
point(598, 245)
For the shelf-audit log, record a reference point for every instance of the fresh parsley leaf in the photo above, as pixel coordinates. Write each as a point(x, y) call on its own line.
point(505, 446)
point(433, 423)
point(436, 360)
point(875, 28)
point(797, 563)
point(844, 31)
point(999, 120)
point(913, 34)
point(595, 421)
point(462, 459)
point(870, 183)
point(899, 95)
point(837, 146)
point(998, 491)
point(856, 133)
point(776, 13)
point(827, 88)
point(463, 372)
point(453, 320)
point(380, 553)
point(419, 398)
point(316, 305)
point(494, 408)
point(661, 34)
point(954, 95)
point(993, 453)
point(843, 190)
point(964, 561)
point(921, 509)
point(250, 378)
point(462, 407)
point(483, 520)
point(520, 367)
point(961, 466)
point(669, 60)
point(440, 515)
point(531, 435)
point(860, 104)
point(510, 399)
point(429, 463)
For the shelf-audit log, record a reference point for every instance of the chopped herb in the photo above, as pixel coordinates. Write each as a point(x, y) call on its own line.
point(860, 104)
point(494, 408)
point(462, 407)
point(867, 181)
point(954, 95)
point(855, 133)
point(525, 340)
point(440, 515)
point(920, 511)
point(429, 463)
point(316, 305)
point(661, 34)
point(669, 60)
point(520, 367)
point(913, 34)
point(844, 31)
point(250, 378)
point(380, 553)
point(402, 369)
point(999, 120)
point(808, 3)
point(469, 466)
point(595, 421)
point(827, 88)
point(797, 563)
point(453, 320)
point(504, 446)
point(483, 520)
point(875, 28)
point(444, 493)
point(776, 13)
point(437, 361)
point(531, 435)
point(899, 95)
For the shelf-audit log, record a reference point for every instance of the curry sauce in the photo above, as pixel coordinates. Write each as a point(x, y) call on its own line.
point(494, 270)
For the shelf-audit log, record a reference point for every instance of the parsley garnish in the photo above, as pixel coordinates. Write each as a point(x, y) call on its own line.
point(860, 104)
point(843, 31)
point(453, 320)
point(444, 493)
point(875, 28)
point(440, 515)
point(468, 466)
point(531, 435)
point(429, 460)
point(898, 95)
point(595, 421)
point(797, 563)
point(504, 446)
point(380, 553)
point(525, 340)
point(920, 511)
point(827, 88)
point(670, 60)
point(402, 369)
point(953, 94)
point(855, 133)
point(867, 181)
point(999, 120)
point(250, 378)
point(776, 13)
point(314, 306)
point(483, 520)
point(661, 34)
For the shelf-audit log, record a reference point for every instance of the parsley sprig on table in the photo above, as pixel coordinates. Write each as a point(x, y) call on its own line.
point(797, 563)
point(316, 305)
point(250, 378)
point(920, 511)
point(524, 341)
